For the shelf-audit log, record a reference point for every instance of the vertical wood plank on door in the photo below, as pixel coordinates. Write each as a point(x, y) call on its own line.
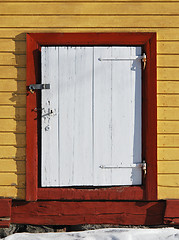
point(49, 149)
point(102, 116)
point(117, 115)
point(126, 115)
point(66, 114)
point(75, 118)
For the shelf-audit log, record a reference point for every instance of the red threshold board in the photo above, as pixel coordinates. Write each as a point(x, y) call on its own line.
point(89, 212)
point(96, 212)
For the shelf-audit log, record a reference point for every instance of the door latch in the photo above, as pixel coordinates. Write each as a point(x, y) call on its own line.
point(33, 87)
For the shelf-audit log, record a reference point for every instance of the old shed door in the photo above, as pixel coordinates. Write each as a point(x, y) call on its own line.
point(91, 116)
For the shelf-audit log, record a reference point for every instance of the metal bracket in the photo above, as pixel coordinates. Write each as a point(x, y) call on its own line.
point(33, 87)
point(142, 165)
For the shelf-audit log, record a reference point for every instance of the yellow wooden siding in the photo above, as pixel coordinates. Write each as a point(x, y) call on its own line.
point(17, 17)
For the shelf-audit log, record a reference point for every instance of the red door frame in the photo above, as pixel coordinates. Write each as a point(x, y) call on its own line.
point(148, 191)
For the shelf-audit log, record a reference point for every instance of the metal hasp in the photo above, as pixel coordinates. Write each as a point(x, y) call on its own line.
point(38, 86)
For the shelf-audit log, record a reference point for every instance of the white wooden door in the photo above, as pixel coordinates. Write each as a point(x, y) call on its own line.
point(91, 116)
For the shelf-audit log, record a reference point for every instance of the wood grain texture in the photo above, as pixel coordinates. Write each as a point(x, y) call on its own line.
point(69, 213)
point(168, 127)
point(112, 193)
point(99, 39)
point(12, 45)
point(12, 112)
point(101, 95)
point(168, 180)
point(168, 60)
point(171, 215)
point(12, 179)
point(5, 212)
point(15, 139)
point(168, 140)
point(12, 85)
point(12, 165)
point(19, 34)
point(83, 1)
point(93, 8)
point(168, 64)
point(168, 113)
point(168, 100)
point(11, 125)
point(169, 154)
point(168, 87)
point(15, 99)
point(168, 192)
point(171, 167)
point(12, 72)
point(12, 192)
point(167, 73)
point(8, 152)
point(9, 59)
point(92, 21)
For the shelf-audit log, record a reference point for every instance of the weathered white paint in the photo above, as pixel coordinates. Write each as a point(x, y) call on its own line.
point(50, 126)
point(98, 120)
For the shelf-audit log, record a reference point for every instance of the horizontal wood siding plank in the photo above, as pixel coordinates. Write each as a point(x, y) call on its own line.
point(168, 180)
point(86, 8)
point(9, 45)
point(12, 192)
point(86, 21)
point(81, 1)
point(12, 179)
point(12, 152)
point(168, 127)
point(12, 85)
point(168, 167)
point(168, 192)
point(11, 165)
point(168, 48)
point(168, 140)
point(169, 154)
point(13, 72)
point(168, 73)
point(8, 139)
point(168, 100)
point(11, 125)
point(13, 112)
point(168, 60)
point(13, 99)
point(168, 113)
point(168, 87)
point(12, 60)
point(19, 34)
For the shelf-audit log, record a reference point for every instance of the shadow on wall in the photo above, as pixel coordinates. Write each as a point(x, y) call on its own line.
point(18, 100)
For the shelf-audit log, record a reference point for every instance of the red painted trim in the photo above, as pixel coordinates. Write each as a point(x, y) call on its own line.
point(151, 126)
point(5, 212)
point(96, 212)
point(172, 212)
point(89, 212)
point(149, 189)
point(31, 122)
point(113, 193)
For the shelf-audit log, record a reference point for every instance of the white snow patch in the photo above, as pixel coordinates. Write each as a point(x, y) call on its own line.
point(103, 234)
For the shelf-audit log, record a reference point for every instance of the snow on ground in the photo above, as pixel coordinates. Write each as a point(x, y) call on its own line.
point(103, 234)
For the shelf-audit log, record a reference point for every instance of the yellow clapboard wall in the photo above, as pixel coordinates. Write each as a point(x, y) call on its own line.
point(18, 17)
